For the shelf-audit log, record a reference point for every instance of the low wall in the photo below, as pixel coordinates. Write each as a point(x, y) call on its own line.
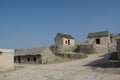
point(62, 48)
point(33, 59)
point(105, 48)
point(6, 59)
point(71, 55)
point(118, 48)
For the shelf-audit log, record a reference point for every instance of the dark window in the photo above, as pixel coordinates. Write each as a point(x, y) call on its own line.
point(1, 53)
point(34, 59)
point(15, 59)
point(65, 42)
point(19, 59)
point(28, 59)
point(68, 42)
point(97, 41)
point(111, 40)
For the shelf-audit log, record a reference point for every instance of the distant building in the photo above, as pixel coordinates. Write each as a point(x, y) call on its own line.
point(64, 40)
point(6, 59)
point(118, 48)
point(103, 41)
point(100, 38)
point(35, 55)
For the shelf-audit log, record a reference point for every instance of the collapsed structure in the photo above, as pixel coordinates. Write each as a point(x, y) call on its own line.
point(36, 55)
point(97, 42)
point(64, 39)
point(6, 59)
point(102, 41)
point(101, 38)
point(118, 49)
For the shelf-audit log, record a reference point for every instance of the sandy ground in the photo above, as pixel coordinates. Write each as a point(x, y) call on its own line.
point(73, 70)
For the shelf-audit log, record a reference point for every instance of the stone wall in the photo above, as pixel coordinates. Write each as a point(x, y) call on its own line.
point(6, 59)
point(28, 59)
point(118, 48)
point(101, 49)
point(62, 48)
point(71, 55)
point(42, 56)
point(59, 41)
point(72, 42)
point(105, 48)
point(103, 40)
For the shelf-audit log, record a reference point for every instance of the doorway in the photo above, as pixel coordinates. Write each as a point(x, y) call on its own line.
point(97, 41)
point(19, 59)
point(68, 42)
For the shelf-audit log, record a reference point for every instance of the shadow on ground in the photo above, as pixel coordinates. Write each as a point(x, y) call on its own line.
point(104, 62)
point(104, 65)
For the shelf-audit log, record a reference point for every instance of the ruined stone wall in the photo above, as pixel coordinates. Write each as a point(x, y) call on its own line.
point(105, 48)
point(24, 59)
point(118, 48)
point(103, 40)
point(58, 41)
point(72, 42)
point(101, 49)
point(71, 55)
point(47, 56)
point(6, 59)
point(64, 41)
point(64, 48)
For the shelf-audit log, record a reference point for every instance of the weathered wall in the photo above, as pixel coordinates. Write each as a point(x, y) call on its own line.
point(71, 55)
point(58, 41)
point(47, 56)
point(6, 59)
point(101, 48)
point(113, 40)
point(62, 41)
point(72, 41)
point(64, 48)
point(103, 40)
point(24, 59)
point(118, 48)
point(105, 48)
point(44, 57)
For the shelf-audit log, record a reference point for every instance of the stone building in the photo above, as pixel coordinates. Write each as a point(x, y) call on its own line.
point(102, 41)
point(64, 40)
point(100, 38)
point(118, 48)
point(35, 55)
point(6, 59)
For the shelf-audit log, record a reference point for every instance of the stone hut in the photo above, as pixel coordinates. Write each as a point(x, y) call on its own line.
point(6, 59)
point(118, 48)
point(35, 55)
point(102, 41)
point(100, 38)
point(64, 40)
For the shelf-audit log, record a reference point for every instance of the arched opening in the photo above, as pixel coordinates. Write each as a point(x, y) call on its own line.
point(19, 59)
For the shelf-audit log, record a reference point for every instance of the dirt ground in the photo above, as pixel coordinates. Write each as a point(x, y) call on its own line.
point(95, 67)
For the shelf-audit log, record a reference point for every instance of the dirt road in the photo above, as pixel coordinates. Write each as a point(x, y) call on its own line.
point(73, 70)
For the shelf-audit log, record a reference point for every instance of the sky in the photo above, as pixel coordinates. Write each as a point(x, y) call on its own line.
point(35, 23)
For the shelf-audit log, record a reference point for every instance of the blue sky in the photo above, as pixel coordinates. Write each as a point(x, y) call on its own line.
point(35, 23)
